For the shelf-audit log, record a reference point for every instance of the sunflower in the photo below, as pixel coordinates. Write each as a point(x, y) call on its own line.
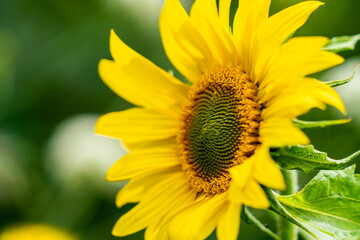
point(200, 151)
point(35, 232)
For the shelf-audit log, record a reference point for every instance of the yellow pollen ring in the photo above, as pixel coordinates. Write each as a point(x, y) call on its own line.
point(219, 128)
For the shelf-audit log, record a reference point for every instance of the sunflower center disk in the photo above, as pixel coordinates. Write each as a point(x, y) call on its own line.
point(219, 128)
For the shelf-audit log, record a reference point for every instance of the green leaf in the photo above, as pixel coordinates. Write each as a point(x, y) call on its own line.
point(337, 83)
point(343, 43)
point(307, 159)
point(276, 207)
point(330, 202)
point(316, 124)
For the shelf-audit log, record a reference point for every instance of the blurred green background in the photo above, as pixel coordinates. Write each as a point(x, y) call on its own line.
point(52, 166)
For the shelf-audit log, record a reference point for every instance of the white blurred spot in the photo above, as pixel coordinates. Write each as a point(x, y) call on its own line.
point(147, 11)
point(75, 150)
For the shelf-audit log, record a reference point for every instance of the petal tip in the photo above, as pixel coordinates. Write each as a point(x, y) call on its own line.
point(113, 34)
point(116, 231)
point(316, 3)
point(342, 109)
point(98, 125)
point(102, 67)
point(109, 176)
point(281, 185)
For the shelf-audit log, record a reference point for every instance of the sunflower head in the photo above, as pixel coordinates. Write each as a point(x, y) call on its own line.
point(200, 151)
point(219, 128)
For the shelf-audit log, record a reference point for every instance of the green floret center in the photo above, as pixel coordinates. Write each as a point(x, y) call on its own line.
point(214, 132)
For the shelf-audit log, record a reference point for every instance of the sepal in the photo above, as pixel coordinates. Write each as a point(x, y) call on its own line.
point(336, 83)
point(319, 124)
point(307, 159)
point(342, 43)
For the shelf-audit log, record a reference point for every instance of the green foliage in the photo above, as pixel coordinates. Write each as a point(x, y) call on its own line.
point(277, 207)
point(316, 124)
point(330, 202)
point(307, 159)
point(343, 43)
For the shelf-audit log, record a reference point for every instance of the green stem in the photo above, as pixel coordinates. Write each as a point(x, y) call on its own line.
point(287, 230)
point(250, 219)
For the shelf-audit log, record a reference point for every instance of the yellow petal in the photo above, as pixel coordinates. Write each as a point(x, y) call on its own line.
point(251, 193)
point(274, 32)
point(198, 220)
point(248, 191)
point(249, 18)
point(304, 52)
point(138, 162)
point(146, 73)
point(262, 10)
point(235, 193)
point(278, 132)
point(166, 195)
point(183, 44)
point(324, 93)
point(292, 56)
point(260, 15)
point(241, 173)
point(224, 12)
point(241, 21)
point(137, 125)
point(266, 170)
point(159, 230)
point(229, 223)
point(254, 196)
point(284, 23)
point(150, 144)
point(291, 99)
point(150, 232)
point(291, 105)
point(143, 86)
point(205, 17)
point(297, 58)
point(322, 61)
point(156, 232)
point(137, 188)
